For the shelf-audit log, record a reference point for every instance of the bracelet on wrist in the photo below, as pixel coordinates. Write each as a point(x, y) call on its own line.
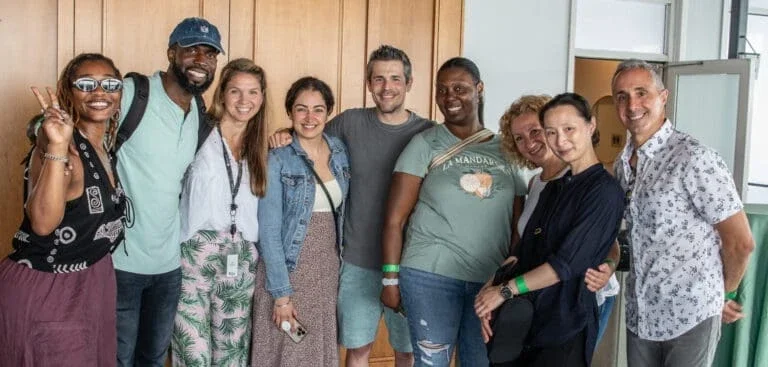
point(610, 263)
point(731, 296)
point(53, 157)
point(389, 281)
point(390, 268)
point(283, 305)
point(522, 288)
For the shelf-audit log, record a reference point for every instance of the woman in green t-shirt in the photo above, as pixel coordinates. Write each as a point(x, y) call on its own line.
point(460, 216)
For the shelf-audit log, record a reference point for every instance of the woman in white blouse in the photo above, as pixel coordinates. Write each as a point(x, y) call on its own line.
point(219, 226)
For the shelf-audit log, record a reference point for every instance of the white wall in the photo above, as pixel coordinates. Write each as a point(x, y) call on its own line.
point(521, 47)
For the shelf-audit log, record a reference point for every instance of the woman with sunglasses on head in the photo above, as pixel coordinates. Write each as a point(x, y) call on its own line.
point(571, 229)
point(460, 210)
point(219, 227)
point(57, 288)
point(300, 221)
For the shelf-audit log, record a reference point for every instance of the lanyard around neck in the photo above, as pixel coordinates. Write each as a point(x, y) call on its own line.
point(234, 186)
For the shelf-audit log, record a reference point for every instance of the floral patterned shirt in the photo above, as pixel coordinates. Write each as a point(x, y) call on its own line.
point(679, 190)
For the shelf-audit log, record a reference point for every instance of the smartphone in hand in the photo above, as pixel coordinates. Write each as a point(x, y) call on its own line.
point(298, 335)
point(400, 310)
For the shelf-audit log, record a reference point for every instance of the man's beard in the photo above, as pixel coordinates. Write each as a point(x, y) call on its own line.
point(186, 84)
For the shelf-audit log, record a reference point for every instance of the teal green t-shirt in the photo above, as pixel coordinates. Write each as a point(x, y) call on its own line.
point(462, 223)
point(151, 166)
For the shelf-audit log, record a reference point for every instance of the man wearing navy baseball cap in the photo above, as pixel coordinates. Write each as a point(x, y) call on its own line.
point(151, 165)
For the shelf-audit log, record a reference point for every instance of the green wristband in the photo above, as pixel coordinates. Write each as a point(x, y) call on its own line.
point(390, 268)
point(610, 263)
point(731, 296)
point(522, 288)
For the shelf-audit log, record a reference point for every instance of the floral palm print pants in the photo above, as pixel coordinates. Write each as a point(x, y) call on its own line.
point(213, 319)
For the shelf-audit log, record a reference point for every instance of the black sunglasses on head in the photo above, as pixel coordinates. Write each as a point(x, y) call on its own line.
point(109, 85)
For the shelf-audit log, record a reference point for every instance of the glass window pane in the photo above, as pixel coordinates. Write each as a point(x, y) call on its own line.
point(710, 117)
point(615, 25)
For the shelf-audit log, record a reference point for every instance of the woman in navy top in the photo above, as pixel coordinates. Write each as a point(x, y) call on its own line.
point(571, 230)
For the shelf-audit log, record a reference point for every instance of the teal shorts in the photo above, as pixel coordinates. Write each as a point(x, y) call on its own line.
point(360, 308)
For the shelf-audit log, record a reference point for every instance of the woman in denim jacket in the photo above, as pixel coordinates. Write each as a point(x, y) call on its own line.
point(300, 237)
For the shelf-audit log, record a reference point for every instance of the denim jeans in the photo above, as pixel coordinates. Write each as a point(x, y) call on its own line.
point(604, 315)
point(441, 315)
point(146, 307)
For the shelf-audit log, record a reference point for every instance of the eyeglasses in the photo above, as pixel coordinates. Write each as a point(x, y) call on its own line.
point(109, 85)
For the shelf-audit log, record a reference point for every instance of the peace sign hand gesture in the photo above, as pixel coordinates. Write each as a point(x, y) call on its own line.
point(58, 125)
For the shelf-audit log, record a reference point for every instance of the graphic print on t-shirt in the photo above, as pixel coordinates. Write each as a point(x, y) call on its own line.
point(476, 173)
point(478, 184)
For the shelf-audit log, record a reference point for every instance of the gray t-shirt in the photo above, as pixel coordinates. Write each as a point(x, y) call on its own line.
point(462, 223)
point(373, 148)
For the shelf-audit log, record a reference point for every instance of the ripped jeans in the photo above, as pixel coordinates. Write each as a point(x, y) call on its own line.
point(441, 315)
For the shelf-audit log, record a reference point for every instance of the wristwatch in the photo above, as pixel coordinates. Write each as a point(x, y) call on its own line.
point(505, 292)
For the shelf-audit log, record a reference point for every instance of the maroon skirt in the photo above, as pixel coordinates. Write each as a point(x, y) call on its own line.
point(49, 319)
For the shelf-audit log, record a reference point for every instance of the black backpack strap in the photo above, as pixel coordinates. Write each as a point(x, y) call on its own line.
point(206, 125)
point(136, 110)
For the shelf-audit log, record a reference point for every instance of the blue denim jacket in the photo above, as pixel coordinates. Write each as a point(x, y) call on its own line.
point(285, 210)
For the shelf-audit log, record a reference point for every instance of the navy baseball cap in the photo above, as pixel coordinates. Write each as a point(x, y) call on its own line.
point(196, 31)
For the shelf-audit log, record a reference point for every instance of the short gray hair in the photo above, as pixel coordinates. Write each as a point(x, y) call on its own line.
point(630, 64)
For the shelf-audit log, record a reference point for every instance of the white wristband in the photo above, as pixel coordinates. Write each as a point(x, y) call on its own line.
point(389, 281)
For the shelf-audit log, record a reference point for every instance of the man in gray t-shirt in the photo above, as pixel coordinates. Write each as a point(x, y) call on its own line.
point(373, 148)
point(375, 137)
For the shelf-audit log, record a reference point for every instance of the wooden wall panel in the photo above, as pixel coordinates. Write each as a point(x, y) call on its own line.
point(30, 59)
point(65, 33)
point(137, 31)
point(448, 29)
point(88, 23)
point(352, 67)
point(217, 12)
point(294, 39)
point(241, 29)
point(407, 25)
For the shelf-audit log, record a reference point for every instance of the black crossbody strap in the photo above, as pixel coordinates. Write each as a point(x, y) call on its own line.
point(205, 125)
point(139, 105)
point(135, 111)
point(325, 190)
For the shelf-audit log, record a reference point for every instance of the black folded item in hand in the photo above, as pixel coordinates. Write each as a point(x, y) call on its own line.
point(510, 322)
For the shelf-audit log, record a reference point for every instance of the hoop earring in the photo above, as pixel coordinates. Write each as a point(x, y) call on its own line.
point(116, 116)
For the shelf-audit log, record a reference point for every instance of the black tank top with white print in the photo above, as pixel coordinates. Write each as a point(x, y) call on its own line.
point(91, 228)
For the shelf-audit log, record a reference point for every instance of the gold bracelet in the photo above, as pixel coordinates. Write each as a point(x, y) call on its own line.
point(53, 157)
point(283, 305)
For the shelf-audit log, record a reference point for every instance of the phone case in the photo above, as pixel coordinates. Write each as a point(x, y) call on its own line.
point(298, 335)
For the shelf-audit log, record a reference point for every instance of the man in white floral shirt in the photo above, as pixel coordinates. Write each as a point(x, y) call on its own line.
point(690, 237)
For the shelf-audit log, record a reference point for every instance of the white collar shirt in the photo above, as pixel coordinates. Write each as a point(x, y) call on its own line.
point(206, 196)
point(679, 190)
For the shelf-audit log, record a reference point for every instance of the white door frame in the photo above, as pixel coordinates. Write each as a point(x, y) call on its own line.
point(674, 35)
